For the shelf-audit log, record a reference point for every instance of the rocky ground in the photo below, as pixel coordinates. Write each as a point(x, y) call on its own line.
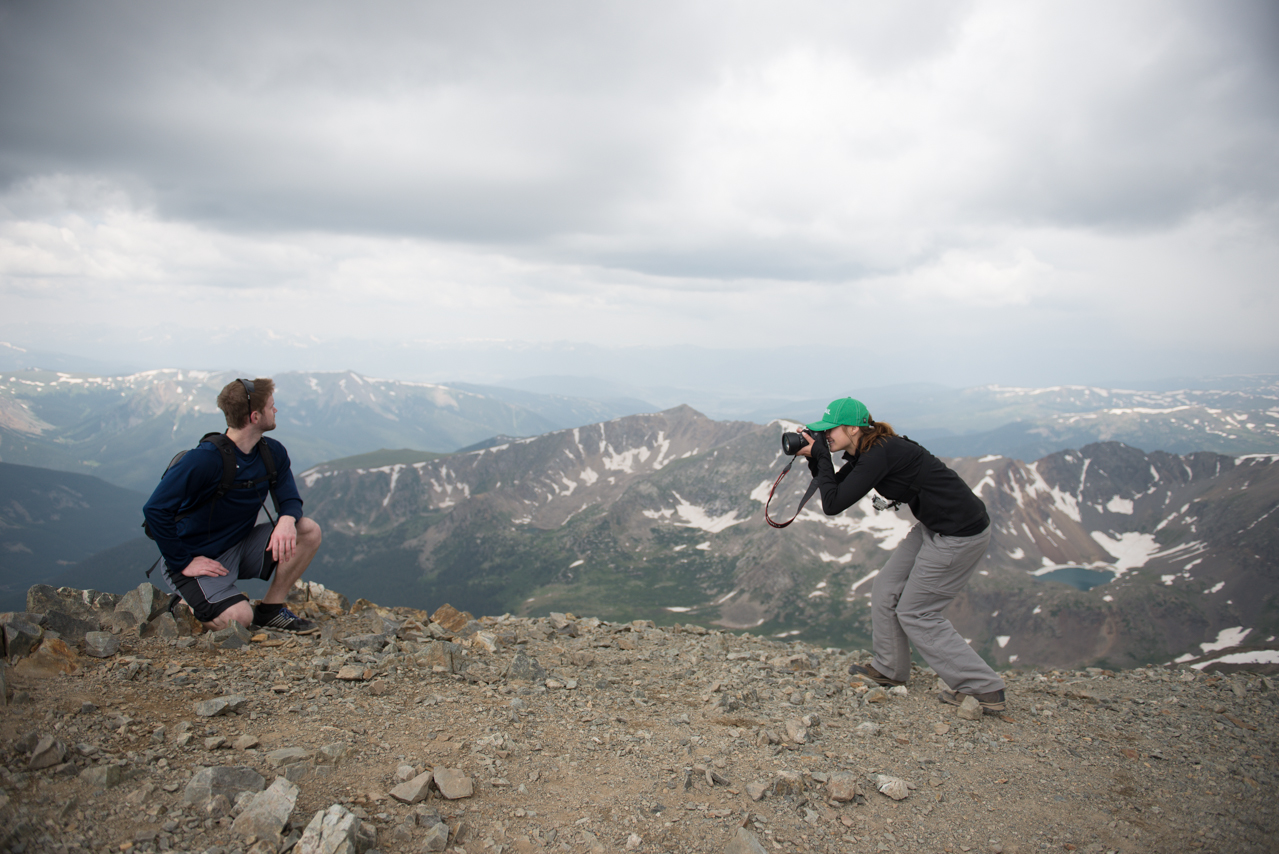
point(571, 735)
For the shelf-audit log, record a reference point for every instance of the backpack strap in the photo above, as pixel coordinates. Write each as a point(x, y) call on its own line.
point(264, 450)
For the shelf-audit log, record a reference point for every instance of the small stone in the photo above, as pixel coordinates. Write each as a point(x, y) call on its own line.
point(796, 732)
point(941, 728)
point(843, 786)
point(245, 742)
point(453, 784)
point(354, 673)
point(234, 636)
point(443, 657)
point(404, 773)
point(220, 705)
point(970, 709)
point(756, 790)
point(367, 643)
point(876, 695)
point(214, 742)
point(332, 754)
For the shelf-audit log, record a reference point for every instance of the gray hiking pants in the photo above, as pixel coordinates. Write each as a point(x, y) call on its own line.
point(926, 572)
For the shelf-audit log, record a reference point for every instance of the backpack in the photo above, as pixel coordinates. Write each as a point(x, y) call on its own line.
point(226, 450)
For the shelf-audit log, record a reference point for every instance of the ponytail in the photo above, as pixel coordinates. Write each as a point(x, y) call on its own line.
point(874, 433)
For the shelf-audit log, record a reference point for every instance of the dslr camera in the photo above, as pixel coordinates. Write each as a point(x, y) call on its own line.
point(793, 443)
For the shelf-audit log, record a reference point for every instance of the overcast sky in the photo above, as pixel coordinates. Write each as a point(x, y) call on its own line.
point(1032, 193)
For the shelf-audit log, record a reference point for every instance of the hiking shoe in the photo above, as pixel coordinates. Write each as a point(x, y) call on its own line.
point(284, 620)
point(870, 674)
point(992, 703)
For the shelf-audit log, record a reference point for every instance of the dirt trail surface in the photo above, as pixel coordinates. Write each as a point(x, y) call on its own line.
point(582, 736)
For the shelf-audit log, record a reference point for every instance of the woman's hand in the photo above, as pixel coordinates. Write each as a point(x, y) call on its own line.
point(807, 450)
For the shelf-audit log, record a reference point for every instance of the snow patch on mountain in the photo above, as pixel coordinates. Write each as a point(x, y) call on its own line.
point(697, 517)
point(1131, 551)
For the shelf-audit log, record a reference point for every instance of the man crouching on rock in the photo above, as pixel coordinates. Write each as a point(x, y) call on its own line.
point(208, 543)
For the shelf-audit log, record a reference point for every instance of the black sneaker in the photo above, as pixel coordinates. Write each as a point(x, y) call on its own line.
point(870, 674)
point(992, 703)
point(284, 620)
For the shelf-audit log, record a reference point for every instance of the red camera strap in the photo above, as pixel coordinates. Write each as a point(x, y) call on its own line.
point(812, 487)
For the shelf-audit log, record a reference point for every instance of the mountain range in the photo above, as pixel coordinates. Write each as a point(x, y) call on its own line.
point(660, 517)
point(125, 428)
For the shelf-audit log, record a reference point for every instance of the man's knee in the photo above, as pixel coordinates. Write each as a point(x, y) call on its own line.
point(309, 531)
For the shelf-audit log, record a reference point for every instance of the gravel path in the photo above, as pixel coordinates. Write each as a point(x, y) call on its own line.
point(584, 736)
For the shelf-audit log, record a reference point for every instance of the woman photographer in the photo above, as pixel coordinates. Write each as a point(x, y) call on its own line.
point(930, 567)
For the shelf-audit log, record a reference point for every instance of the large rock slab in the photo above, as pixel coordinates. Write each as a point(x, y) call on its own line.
point(453, 784)
point(267, 813)
point(225, 780)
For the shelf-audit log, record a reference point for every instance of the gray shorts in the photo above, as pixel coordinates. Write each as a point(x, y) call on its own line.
point(210, 595)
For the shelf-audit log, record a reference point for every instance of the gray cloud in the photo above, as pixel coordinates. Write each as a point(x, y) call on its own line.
point(1000, 172)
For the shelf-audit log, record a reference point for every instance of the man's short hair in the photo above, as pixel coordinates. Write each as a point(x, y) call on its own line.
point(236, 403)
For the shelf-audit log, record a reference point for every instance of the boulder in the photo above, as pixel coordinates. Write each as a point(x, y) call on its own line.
point(52, 658)
point(234, 636)
point(144, 603)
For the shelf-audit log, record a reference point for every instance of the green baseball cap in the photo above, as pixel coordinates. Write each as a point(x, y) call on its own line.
point(846, 410)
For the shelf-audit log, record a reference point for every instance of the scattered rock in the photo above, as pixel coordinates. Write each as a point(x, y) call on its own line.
point(143, 603)
point(895, 787)
point(525, 669)
point(354, 673)
point(451, 619)
point(843, 786)
point(21, 637)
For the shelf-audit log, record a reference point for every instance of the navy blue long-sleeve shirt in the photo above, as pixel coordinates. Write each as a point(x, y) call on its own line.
point(217, 526)
point(944, 504)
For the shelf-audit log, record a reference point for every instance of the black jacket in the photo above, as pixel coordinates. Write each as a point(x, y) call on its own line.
point(944, 504)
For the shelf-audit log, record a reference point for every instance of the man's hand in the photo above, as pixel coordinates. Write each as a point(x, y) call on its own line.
point(284, 539)
point(204, 566)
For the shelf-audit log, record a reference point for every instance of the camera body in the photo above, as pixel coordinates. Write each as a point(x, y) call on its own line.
point(793, 443)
